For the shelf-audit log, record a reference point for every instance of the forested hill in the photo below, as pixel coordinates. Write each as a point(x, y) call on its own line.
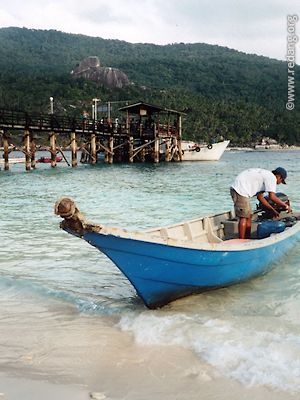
point(223, 92)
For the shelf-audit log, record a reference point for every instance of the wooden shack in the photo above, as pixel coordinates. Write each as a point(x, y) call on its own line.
point(153, 132)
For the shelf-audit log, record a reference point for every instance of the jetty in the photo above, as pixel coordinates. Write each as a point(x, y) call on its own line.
point(144, 133)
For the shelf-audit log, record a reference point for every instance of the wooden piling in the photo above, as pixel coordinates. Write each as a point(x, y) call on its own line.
point(175, 155)
point(5, 151)
point(143, 154)
point(26, 139)
point(53, 149)
point(179, 122)
point(32, 150)
point(167, 151)
point(106, 152)
point(156, 148)
point(130, 149)
point(74, 149)
point(111, 149)
point(93, 149)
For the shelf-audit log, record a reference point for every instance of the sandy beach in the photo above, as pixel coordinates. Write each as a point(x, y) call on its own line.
point(66, 355)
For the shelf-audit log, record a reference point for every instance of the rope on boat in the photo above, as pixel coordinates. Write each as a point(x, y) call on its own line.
point(65, 207)
point(73, 221)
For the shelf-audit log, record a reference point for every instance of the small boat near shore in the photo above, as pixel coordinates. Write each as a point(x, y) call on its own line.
point(192, 151)
point(47, 160)
point(167, 263)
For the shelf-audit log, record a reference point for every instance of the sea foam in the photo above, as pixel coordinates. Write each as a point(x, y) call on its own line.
point(233, 347)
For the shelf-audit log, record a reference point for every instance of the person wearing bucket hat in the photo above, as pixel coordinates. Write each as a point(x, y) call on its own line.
point(255, 182)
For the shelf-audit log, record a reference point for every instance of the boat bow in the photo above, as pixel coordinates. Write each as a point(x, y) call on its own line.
point(74, 221)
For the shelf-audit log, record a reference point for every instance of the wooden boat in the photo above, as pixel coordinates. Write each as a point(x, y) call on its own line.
point(166, 263)
point(192, 151)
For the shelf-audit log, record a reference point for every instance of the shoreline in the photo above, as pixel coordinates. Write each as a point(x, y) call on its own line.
point(263, 149)
point(164, 372)
point(75, 356)
point(13, 387)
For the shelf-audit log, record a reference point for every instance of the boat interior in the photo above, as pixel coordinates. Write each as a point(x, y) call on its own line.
point(212, 229)
point(206, 229)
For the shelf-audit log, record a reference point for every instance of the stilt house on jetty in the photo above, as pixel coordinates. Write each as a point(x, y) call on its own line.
point(154, 133)
point(146, 133)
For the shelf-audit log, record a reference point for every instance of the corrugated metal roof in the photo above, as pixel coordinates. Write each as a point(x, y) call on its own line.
point(137, 107)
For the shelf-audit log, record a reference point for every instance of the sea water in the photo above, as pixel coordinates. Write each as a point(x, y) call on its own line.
point(61, 299)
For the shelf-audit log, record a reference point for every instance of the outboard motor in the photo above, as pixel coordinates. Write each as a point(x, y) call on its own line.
point(266, 223)
point(266, 213)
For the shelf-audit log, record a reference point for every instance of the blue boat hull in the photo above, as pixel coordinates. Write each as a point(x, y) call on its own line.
point(161, 273)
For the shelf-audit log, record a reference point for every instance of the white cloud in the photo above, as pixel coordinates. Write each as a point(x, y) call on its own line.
point(7, 19)
point(257, 26)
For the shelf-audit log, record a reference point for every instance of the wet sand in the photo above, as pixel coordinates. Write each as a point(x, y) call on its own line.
point(54, 352)
point(17, 388)
point(176, 375)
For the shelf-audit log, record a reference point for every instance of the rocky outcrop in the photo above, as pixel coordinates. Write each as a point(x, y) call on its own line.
point(90, 68)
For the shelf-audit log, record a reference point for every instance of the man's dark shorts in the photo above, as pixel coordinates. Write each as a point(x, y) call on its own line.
point(242, 206)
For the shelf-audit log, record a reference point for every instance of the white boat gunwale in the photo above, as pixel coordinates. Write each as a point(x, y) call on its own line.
point(206, 240)
point(221, 246)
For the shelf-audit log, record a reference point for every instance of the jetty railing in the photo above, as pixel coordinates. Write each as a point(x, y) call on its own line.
point(119, 142)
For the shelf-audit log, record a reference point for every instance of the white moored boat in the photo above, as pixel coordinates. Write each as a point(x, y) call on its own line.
point(192, 151)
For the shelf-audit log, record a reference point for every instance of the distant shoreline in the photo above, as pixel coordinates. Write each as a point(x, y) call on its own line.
point(262, 148)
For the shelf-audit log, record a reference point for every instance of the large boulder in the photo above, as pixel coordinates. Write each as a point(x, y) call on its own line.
point(90, 68)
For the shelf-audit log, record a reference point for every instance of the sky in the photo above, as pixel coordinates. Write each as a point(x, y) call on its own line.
point(252, 26)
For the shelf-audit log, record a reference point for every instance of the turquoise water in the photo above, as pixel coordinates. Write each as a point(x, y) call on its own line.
point(243, 332)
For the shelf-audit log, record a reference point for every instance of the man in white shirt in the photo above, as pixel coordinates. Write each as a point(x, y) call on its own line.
point(255, 182)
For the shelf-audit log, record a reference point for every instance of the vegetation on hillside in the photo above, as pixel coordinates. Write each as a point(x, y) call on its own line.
point(223, 92)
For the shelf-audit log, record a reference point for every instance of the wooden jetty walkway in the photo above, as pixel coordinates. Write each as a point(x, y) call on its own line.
point(146, 133)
